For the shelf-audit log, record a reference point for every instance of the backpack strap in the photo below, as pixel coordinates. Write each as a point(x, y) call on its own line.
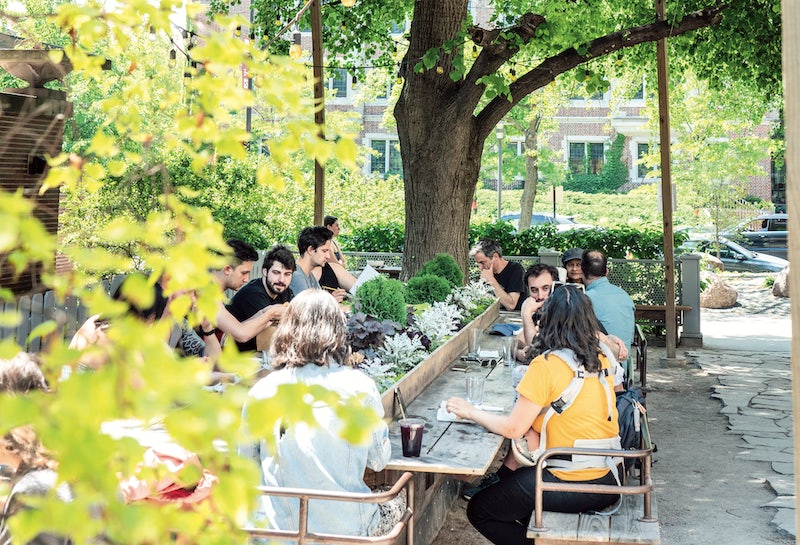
point(565, 400)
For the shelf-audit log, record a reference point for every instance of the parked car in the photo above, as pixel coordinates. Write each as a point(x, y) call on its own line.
point(562, 223)
point(765, 234)
point(736, 257)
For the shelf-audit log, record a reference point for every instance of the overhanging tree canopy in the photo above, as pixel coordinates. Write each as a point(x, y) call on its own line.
point(450, 102)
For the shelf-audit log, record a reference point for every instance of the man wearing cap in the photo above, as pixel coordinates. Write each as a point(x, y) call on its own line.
point(504, 276)
point(572, 262)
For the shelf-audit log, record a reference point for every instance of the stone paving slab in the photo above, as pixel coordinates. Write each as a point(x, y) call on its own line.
point(755, 391)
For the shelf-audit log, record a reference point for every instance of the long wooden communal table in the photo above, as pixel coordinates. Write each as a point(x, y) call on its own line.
point(452, 452)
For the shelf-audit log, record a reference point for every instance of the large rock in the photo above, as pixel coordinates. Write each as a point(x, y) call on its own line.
point(781, 286)
point(718, 294)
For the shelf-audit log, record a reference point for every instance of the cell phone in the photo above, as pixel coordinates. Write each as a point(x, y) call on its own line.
point(459, 367)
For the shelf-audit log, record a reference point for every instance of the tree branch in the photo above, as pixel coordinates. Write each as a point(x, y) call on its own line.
point(550, 68)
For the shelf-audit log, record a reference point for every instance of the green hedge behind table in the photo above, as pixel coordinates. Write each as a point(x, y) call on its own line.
point(616, 243)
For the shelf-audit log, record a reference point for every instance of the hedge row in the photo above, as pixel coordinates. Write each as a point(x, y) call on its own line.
point(617, 243)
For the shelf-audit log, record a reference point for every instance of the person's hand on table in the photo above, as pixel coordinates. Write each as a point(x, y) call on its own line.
point(459, 407)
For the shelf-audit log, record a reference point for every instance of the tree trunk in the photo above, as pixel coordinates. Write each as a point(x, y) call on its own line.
point(441, 147)
point(531, 173)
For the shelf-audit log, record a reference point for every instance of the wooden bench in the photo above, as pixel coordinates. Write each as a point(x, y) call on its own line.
point(656, 315)
point(403, 528)
point(634, 522)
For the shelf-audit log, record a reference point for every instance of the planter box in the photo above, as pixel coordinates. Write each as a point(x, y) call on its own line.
point(420, 377)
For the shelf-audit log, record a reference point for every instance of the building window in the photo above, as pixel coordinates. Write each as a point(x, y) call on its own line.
point(386, 159)
point(338, 82)
point(586, 157)
point(641, 168)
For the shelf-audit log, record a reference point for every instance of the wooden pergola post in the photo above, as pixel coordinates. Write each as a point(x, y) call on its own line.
point(791, 102)
point(319, 106)
point(666, 195)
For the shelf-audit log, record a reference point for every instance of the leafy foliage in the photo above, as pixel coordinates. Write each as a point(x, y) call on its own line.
point(382, 298)
point(366, 332)
point(426, 288)
point(386, 237)
point(444, 266)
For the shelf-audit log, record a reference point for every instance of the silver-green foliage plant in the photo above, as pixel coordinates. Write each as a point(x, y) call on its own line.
point(439, 322)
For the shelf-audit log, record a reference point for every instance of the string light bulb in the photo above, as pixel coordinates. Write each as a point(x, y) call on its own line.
point(238, 31)
point(348, 3)
point(173, 56)
point(474, 51)
point(296, 49)
point(513, 74)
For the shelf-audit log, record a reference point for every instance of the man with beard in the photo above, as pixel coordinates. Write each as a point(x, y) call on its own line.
point(269, 292)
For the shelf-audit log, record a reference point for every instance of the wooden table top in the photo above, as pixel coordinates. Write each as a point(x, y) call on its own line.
point(456, 447)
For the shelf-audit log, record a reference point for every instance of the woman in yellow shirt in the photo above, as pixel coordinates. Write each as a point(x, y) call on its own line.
point(568, 325)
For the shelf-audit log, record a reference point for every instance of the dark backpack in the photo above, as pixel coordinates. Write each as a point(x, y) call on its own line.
point(631, 407)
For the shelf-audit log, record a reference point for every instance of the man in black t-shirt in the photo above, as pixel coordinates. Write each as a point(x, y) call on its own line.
point(504, 276)
point(270, 291)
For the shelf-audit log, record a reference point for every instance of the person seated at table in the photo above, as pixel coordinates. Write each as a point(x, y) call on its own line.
point(568, 324)
point(314, 246)
point(332, 224)
point(332, 277)
point(32, 467)
point(541, 279)
point(266, 296)
point(310, 347)
point(504, 276)
point(571, 260)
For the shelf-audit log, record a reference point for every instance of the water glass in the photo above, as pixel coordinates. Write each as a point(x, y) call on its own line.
point(475, 389)
point(509, 350)
point(474, 341)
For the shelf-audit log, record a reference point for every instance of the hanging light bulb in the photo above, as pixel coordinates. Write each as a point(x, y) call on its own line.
point(173, 56)
point(474, 51)
point(296, 49)
point(238, 31)
point(513, 74)
point(348, 3)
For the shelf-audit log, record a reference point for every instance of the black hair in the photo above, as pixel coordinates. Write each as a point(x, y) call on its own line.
point(540, 268)
point(282, 255)
point(327, 221)
point(242, 252)
point(313, 236)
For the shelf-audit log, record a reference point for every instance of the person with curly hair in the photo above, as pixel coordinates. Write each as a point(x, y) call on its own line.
point(310, 348)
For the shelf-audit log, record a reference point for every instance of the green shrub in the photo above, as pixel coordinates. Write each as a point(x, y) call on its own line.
point(769, 282)
point(381, 237)
point(427, 288)
point(382, 298)
point(444, 266)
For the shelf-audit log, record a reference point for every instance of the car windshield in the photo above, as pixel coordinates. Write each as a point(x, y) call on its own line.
point(727, 249)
